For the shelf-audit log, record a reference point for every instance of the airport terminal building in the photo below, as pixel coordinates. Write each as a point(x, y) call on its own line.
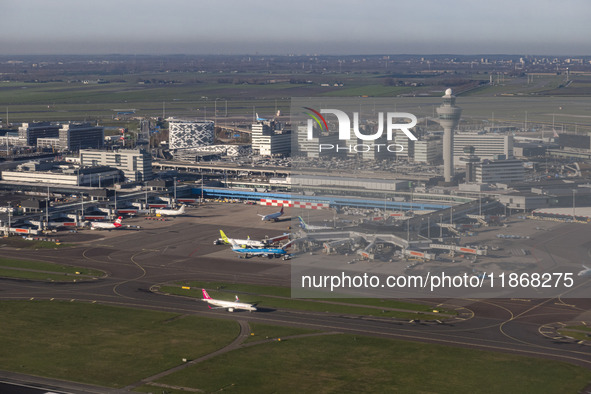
point(136, 164)
point(267, 141)
point(486, 146)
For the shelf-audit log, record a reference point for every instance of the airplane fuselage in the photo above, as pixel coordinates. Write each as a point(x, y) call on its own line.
point(230, 305)
point(310, 227)
point(273, 216)
point(100, 226)
point(243, 242)
point(170, 212)
point(106, 226)
point(266, 252)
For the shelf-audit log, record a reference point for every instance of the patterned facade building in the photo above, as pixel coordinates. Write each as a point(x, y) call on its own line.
point(190, 134)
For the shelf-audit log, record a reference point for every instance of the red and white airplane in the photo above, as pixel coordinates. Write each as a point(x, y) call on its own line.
point(229, 305)
point(272, 216)
point(106, 226)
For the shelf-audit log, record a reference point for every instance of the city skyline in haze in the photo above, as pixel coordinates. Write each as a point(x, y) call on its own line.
point(331, 27)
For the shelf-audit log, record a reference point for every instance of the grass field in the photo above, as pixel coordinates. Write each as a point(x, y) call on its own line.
point(115, 347)
point(546, 100)
point(353, 364)
point(39, 276)
point(18, 242)
point(39, 270)
point(579, 336)
point(102, 345)
point(581, 332)
point(260, 332)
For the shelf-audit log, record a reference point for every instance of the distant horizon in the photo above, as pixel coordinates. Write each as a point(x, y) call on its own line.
point(4, 55)
point(330, 28)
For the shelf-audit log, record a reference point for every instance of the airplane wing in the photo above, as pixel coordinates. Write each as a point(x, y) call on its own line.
point(234, 244)
point(278, 238)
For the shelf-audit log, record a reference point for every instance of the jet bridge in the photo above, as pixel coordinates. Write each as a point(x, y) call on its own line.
point(451, 227)
point(460, 249)
point(479, 218)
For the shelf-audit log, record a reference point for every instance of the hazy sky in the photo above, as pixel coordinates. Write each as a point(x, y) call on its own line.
point(295, 27)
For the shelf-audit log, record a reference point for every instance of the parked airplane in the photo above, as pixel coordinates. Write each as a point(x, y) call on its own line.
point(264, 252)
point(259, 119)
point(272, 216)
point(585, 272)
point(170, 212)
point(106, 226)
point(229, 305)
point(306, 226)
point(242, 242)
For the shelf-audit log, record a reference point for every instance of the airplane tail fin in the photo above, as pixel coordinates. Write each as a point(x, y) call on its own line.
point(205, 295)
point(119, 219)
point(224, 237)
point(237, 299)
point(302, 223)
point(281, 209)
point(182, 210)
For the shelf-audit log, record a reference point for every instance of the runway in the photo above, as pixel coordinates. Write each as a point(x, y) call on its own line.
point(182, 249)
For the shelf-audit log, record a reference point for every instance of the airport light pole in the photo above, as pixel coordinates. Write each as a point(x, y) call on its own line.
point(420, 227)
point(47, 209)
point(9, 218)
point(479, 204)
point(408, 229)
point(574, 192)
point(411, 195)
point(174, 180)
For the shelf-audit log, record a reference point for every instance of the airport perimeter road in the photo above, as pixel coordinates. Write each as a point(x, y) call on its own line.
point(182, 249)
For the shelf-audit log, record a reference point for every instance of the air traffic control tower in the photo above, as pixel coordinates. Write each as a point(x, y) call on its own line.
point(449, 117)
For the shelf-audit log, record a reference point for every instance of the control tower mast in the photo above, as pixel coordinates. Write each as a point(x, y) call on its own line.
point(449, 117)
